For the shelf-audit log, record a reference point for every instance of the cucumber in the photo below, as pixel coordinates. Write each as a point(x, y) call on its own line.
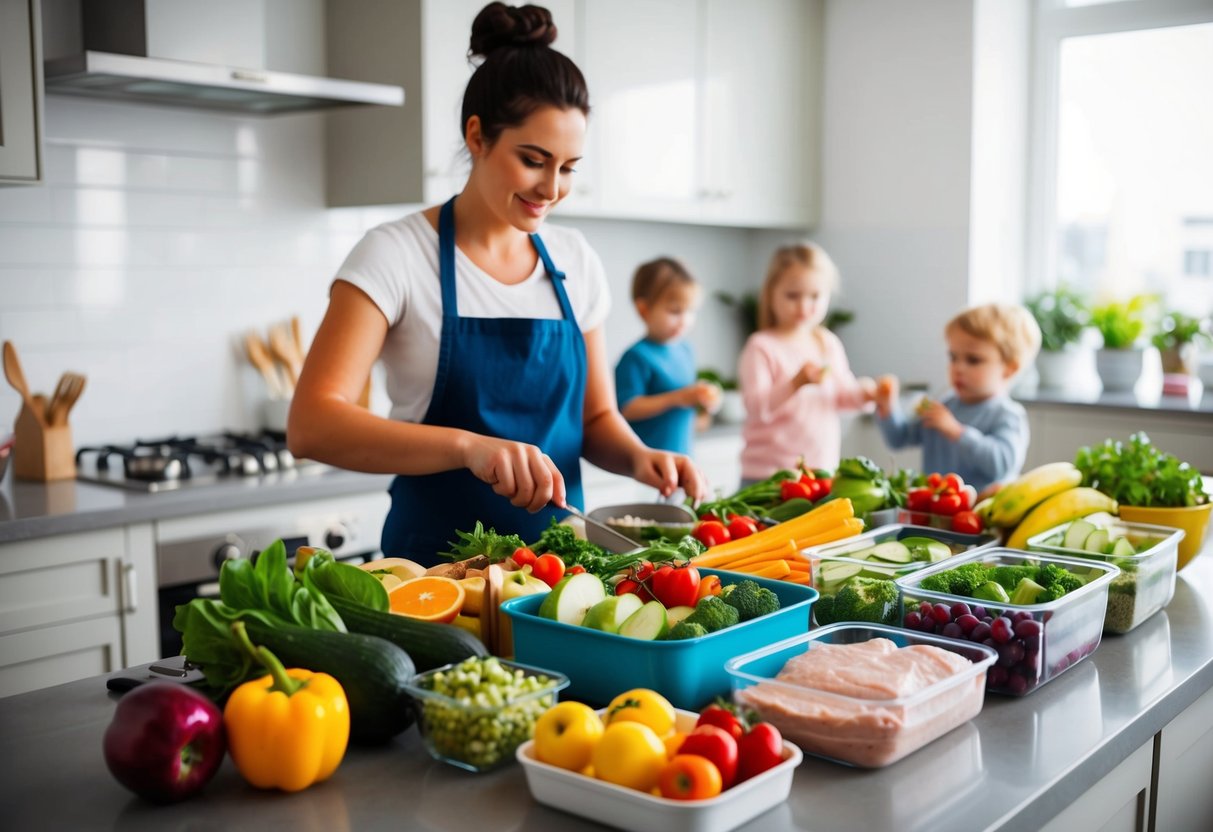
point(892, 551)
point(1077, 534)
point(1097, 542)
point(374, 673)
point(429, 645)
point(647, 623)
point(834, 571)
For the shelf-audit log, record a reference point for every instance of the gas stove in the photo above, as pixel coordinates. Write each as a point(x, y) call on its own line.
point(178, 462)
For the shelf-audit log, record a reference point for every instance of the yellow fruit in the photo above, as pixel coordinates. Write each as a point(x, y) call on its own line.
point(1060, 508)
point(473, 595)
point(402, 568)
point(644, 706)
point(629, 754)
point(673, 742)
point(467, 622)
point(1013, 502)
point(566, 735)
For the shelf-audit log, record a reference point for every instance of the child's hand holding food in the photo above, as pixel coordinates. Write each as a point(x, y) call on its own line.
point(937, 417)
point(886, 394)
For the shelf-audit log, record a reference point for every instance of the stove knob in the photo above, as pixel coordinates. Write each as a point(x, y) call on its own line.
point(335, 538)
point(226, 552)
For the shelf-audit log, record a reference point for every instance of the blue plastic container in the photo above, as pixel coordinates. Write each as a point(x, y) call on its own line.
point(689, 672)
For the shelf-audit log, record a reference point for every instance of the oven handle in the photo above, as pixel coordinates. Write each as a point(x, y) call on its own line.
point(130, 587)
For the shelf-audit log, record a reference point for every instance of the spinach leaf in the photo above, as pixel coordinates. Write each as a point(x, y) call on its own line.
point(206, 631)
point(324, 575)
point(269, 587)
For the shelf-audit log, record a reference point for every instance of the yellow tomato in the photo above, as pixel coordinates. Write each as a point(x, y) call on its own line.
point(644, 706)
point(629, 754)
point(566, 733)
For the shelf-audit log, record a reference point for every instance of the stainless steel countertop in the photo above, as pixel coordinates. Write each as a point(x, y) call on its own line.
point(1013, 767)
point(33, 509)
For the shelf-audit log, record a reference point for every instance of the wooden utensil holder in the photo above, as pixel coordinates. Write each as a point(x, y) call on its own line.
point(42, 452)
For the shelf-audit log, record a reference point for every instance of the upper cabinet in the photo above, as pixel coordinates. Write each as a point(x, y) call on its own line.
point(20, 93)
point(703, 111)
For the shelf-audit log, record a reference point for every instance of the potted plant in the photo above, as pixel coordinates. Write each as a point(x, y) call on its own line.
point(1179, 339)
point(1122, 324)
point(1063, 318)
point(1150, 486)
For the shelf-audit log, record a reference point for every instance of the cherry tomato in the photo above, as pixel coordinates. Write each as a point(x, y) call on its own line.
point(675, 586)
point(576, 569)
point(741, 527)
point(690, 777)
point(947, 504)
point(717, 745)
point(548, 568)
point(935, 480)
point(807, 477)
point(758, 749)
point(642, 570)
point(523, 556)
point(791, 489)
point(707, 515)
point(630, 587)
point(919, 499)
point(970, 497)
point(721, 717)
point(711, 533)
point(967, 522)
point(708, 585)
point(954, 482)
point(827, 485)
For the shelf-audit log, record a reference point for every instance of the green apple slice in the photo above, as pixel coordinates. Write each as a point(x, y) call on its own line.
point(609, 613)
point(572, 597)
point(647, 623)
point(1077, 534)
point(675, 614)
point(1123, 548)
point(1096, 542)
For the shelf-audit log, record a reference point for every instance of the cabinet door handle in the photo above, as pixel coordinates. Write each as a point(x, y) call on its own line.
point(130, 588)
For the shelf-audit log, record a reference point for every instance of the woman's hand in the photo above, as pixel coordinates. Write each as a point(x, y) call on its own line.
point(521, 473)
point(666, 472)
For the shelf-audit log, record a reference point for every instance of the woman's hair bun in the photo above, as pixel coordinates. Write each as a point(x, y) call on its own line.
point(499, 25)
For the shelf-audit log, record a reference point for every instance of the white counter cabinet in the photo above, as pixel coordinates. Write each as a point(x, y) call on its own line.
point(76, 605)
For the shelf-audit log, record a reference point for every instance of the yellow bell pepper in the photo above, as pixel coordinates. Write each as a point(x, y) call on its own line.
point(288, 729)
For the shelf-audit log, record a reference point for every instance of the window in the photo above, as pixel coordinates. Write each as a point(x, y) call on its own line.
point(1122, 196)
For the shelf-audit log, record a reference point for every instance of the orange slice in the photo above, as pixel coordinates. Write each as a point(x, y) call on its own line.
point(429, 598)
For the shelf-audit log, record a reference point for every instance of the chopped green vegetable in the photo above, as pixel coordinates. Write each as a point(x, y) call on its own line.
point(495, 547)
point(685, 629)
point(750, 600)
point(1138, 474)
point(712, 614)
point(863, 599)
point(962, 580)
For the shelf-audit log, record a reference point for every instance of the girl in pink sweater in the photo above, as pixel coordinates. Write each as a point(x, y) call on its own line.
point(794, 374)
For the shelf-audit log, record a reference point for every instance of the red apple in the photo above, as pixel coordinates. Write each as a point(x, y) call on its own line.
point(165, 742)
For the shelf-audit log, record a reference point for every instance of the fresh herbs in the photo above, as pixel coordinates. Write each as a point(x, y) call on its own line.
point(1138, 474)
point(495, 547)
point(562, 541)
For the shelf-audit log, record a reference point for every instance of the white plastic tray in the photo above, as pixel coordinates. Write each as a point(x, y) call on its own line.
point(630, 809)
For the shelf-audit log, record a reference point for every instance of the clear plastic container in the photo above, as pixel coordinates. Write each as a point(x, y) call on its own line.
point(835, 565)
point(1043, 640)
point(1147, 579)
point(480, 737)
point(924, 518)
point(862, 731)
point(624, 808)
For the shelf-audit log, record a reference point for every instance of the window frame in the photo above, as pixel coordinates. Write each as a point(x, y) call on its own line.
point(1052, 23)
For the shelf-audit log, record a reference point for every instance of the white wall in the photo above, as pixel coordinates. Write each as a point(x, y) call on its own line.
point(162, 234)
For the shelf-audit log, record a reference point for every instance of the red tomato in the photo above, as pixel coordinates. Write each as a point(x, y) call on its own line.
point(707, 515)
point(717, 745)
point(791, 489)
point(758, 750)
point(946, 504)
point(919, 499)
point(807, 477)
point(548, 568)
point(935, 480)
point(967, 522)
point(742, 527)
point(690, 777)
point(969, 493)
point(954, 482)
point(628, 586)
point(721, 718)
point(675, 586)
point(642, 570)
point(711, 533)
point(523, 556)
point(576, 569)
point(827, 485)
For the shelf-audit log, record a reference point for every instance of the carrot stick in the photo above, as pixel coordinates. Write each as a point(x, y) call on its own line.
point(786, 550)
point(778, 569)
point(718, 555)
point(847, 528)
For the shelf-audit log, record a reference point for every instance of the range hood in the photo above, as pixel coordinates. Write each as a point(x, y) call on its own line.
point(133, 50)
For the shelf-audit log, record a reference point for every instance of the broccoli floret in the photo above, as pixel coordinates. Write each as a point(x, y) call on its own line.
point(749, 599)
point(1051, 593)
point(712, 614)
point(823, 610)
point(939, 582)
point(686, 629)
point(866, 599)
point(1010, 576)
point(961, 580)
point(1052, 575)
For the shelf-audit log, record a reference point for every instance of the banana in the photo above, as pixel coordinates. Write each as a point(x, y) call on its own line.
point(1060, 508)
point(982, 510)
point(1014, 501)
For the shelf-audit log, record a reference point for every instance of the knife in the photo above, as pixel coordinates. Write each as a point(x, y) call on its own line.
point(617, 539)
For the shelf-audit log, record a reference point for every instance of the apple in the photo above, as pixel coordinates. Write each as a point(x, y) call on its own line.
point(502, 586)
point(609, 613)
point(565, 735)
point(165, 742)
point(521, 582)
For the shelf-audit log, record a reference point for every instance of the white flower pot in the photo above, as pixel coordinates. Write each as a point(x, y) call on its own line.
point(1064, 368)
point(1119, 370)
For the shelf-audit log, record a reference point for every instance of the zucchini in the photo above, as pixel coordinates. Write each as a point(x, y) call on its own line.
point(429, 645)
point(372, 671)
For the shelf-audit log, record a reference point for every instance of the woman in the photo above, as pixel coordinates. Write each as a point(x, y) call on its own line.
point(496, 362)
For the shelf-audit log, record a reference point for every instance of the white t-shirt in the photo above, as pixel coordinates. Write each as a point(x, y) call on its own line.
point(396, 265)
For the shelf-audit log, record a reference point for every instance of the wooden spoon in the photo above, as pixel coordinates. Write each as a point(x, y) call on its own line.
point(282, 347)
point(75, 386)
point(16, 377)
point(259, 356)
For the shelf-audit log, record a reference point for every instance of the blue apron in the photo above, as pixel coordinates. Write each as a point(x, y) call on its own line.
point(521, 379)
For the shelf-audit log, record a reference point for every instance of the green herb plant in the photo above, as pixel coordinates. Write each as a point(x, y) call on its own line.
point(1177, 329)
point(1062, 316)
point(1138, 474)
point(1121, 323)
point(481, 541)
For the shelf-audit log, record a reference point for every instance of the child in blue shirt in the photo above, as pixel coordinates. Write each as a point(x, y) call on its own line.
point(976, 431)
point(655, 379)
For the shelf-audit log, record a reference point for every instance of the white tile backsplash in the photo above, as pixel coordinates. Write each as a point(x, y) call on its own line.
point(162, 235)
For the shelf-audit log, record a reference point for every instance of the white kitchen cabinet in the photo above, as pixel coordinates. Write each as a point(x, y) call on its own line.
point(20, 93)
point(1185, 765)
point(1058, 431)
point(1120, 802)
point(76, 605)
